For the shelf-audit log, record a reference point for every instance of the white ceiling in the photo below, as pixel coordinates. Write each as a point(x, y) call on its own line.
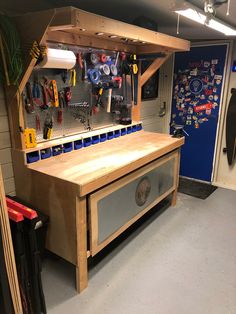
point(126, 10)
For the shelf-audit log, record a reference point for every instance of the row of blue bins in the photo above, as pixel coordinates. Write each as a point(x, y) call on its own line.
point(68, 147)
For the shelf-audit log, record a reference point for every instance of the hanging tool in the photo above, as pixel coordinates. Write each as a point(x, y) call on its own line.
point(134, 78)
point(48, 125)
point(61, 106)
point(117, 58)
point(55, 100)
point(68, 95)
point(47, 93)
point(59, 117)
point(116, 83)
point(37, 122)
point(80, 61)
point(46, 102)
point(64, 76)
point(36, 92)
point(72, 80)
point(109, 100)
point(29, 104)
point(84, 71)
point(113, 69)
point(99, 96)
point(38, 52)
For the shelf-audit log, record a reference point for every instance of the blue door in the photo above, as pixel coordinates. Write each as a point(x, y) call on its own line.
point(197, 91)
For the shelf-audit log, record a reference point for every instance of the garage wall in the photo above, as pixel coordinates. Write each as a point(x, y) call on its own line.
point(152, 122)
point(225, 176)
point(5, 147)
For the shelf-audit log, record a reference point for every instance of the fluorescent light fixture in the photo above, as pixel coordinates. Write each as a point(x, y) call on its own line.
point(196, 15)
point(193, 15)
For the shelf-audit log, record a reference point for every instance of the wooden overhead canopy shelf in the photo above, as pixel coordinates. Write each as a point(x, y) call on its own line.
point(73, 26)
point(70, 25)
point(77, 22)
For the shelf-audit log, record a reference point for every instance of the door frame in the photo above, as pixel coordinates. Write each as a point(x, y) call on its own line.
point(222, 105)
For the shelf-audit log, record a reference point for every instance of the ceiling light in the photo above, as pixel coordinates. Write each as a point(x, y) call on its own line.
point(199, 16)
point(193, 15)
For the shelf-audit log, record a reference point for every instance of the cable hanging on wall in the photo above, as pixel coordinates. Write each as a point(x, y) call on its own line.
point(12, 65)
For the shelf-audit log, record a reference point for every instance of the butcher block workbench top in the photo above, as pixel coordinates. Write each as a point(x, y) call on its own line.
point(95, 166)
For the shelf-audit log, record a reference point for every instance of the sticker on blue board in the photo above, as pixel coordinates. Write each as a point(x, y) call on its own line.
point(218, 77)
point(206, 64)
point(196, 86)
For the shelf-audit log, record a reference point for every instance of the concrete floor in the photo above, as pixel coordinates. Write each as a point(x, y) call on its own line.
point(180, 262)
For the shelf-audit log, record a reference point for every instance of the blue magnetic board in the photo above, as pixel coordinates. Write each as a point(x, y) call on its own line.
point(197, 89)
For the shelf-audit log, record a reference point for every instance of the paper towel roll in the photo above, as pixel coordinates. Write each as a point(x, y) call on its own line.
point(58, 59)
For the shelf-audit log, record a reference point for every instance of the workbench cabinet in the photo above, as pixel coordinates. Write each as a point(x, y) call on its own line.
point(118, 205)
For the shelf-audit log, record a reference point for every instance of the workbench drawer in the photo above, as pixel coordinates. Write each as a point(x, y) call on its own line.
point(115, 207)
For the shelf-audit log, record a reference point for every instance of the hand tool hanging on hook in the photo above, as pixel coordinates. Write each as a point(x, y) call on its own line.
point(29, 103)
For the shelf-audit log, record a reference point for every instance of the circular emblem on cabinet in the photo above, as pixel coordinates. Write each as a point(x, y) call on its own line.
point(142, 191)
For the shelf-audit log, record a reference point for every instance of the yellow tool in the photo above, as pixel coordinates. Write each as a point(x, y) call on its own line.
point(55, 101)
point(30, 138)
point(134, 66)
point(72, 81)
point(38, 52)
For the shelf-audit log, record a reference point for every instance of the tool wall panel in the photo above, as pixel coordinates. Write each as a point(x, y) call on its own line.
point(117, 206)
point(74, 117)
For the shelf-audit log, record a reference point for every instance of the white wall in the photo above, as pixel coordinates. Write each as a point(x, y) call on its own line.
point(152, 122)
point(225, 176)
point(5, 147)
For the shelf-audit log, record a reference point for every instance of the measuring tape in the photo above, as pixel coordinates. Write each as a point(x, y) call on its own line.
point(30, 138)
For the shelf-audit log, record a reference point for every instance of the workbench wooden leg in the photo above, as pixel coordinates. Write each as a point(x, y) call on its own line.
point(174, 193)
point(81, 227)
point(174, 197)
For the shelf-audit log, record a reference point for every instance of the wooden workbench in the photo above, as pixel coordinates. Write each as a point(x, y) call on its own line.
point(68, 188)
point(103, 189)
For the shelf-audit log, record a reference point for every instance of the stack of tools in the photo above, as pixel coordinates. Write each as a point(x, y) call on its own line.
point(10, 300)
point(25, 223)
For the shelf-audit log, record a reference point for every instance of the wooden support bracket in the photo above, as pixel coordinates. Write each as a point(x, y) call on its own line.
point(156, 64)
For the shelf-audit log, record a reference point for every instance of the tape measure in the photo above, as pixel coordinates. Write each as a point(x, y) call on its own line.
point(30, 138)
